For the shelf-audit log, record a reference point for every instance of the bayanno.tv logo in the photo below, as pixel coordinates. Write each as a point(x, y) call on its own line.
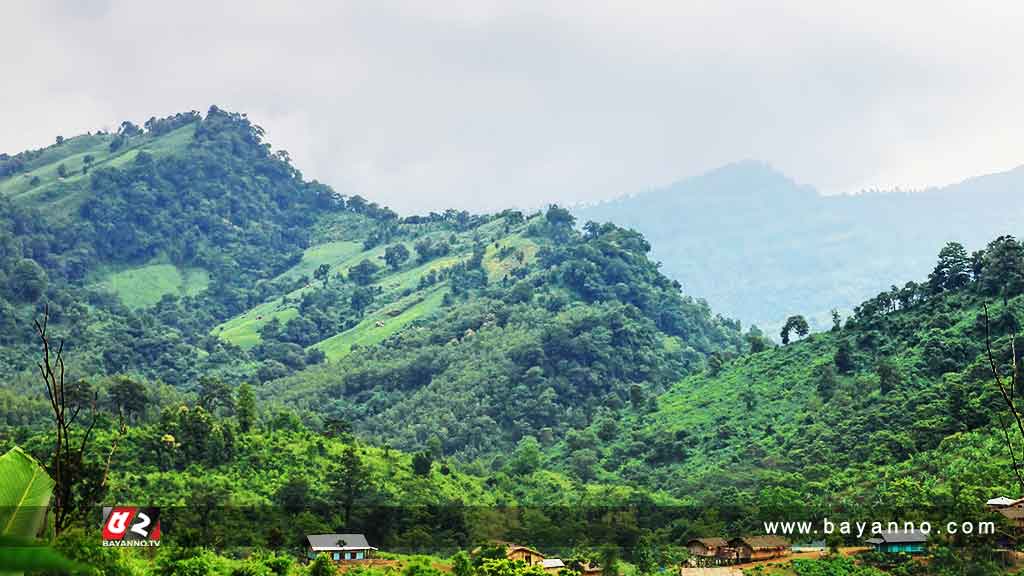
point(131, 526)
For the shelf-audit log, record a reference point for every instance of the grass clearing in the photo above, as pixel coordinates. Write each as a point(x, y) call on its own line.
point(377, 327)
point(43, 185)
point(144, 286)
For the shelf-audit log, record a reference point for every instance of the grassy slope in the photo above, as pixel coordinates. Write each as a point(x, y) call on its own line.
point(53, 191)
point(400, 301)
point(144, 286)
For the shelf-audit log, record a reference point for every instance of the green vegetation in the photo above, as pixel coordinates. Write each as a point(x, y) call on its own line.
point(144, 286)
point(289, 360)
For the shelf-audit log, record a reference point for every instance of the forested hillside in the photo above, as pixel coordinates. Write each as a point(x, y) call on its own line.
point(892, 411)
point(760, 247)
point(246, 346)
point(188, 249)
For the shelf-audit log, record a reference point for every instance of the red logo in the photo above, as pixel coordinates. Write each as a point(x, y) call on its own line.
point(131, 526)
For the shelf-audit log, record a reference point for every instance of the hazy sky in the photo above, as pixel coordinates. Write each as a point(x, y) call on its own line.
point(483, 105)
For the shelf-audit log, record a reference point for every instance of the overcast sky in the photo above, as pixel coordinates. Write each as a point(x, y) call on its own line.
point(484, 105)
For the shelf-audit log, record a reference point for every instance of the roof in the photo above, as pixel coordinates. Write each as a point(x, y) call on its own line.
point(338, 542)
point(552, 563)
point(762, 542)
point(817, 544)
point(900, 537)
point(510, 548)
point(1001, 501)
point(713, 542)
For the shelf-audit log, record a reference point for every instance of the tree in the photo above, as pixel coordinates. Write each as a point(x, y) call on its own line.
point(422, 463)
point(322, 273)
point(349, 481)
point(1003, 268)
point(527, 456)
point(322, 566)
point(837, 321)
point(79, 484)
point(953, 270)
point(643, 555)
point(215, 394)
point(827, 381)
point(361, 299)
point(396, 255)
point(363, 272)
point(796, 324)
point(461, 564)
point(245, 410)
point(62, 170)
point(888, 376)
point(844, 358)
point(27, 281)
point(128, 397)
point(1012, 425)
point(293, 495)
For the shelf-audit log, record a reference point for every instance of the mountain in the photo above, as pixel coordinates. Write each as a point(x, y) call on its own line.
point(760, 247)
point(187, 250)
point(286, 360)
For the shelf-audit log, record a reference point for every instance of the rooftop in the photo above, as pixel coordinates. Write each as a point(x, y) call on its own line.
point(333, 542)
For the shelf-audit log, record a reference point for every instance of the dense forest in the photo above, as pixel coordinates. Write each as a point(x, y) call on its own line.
point(265, 358)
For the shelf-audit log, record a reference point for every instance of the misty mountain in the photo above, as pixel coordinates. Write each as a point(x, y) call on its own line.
point(760, 247)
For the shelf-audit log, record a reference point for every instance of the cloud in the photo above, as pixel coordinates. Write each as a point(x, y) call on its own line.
point(484, 105)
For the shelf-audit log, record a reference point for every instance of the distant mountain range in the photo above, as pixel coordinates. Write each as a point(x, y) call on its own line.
point(760, 247)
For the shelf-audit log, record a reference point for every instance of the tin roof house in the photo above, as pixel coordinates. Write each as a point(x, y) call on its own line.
point(900, 541)
point(339, 547)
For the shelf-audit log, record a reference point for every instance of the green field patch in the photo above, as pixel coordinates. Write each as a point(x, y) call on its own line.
point(497, 267)
point(339, 255)
point(43, 184)
point(379, 326)
point(244, 330)
point(144, 286)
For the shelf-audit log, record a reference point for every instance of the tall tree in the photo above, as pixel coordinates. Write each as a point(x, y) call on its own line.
point(80, 482)
point(350, 480)
point(953, 270)
point(245, 410)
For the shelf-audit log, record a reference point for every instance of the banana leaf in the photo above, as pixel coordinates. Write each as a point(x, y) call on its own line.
point(25, 491)
point(18, 555)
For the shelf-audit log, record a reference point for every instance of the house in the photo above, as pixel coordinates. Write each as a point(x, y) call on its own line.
point(552, 565)
point(753, 548)
point(706, 547)
point(897, 541)
point(1010, 508)
point(1000, 502)
point(816, 546)
point(340, 547)
point(524, 554)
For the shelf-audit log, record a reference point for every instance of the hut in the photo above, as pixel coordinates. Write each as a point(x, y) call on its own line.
point(706, 547)
point(754, 548)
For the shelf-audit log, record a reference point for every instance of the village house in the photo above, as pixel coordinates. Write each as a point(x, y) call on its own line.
point(1010, 508)
point(900, 541)
point(706, 547)
point(339, 547)
point(524, 554)
point(531, 557)
point(754, 548)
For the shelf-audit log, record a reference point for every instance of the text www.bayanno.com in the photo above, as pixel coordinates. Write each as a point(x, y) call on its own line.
point(862, 529)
